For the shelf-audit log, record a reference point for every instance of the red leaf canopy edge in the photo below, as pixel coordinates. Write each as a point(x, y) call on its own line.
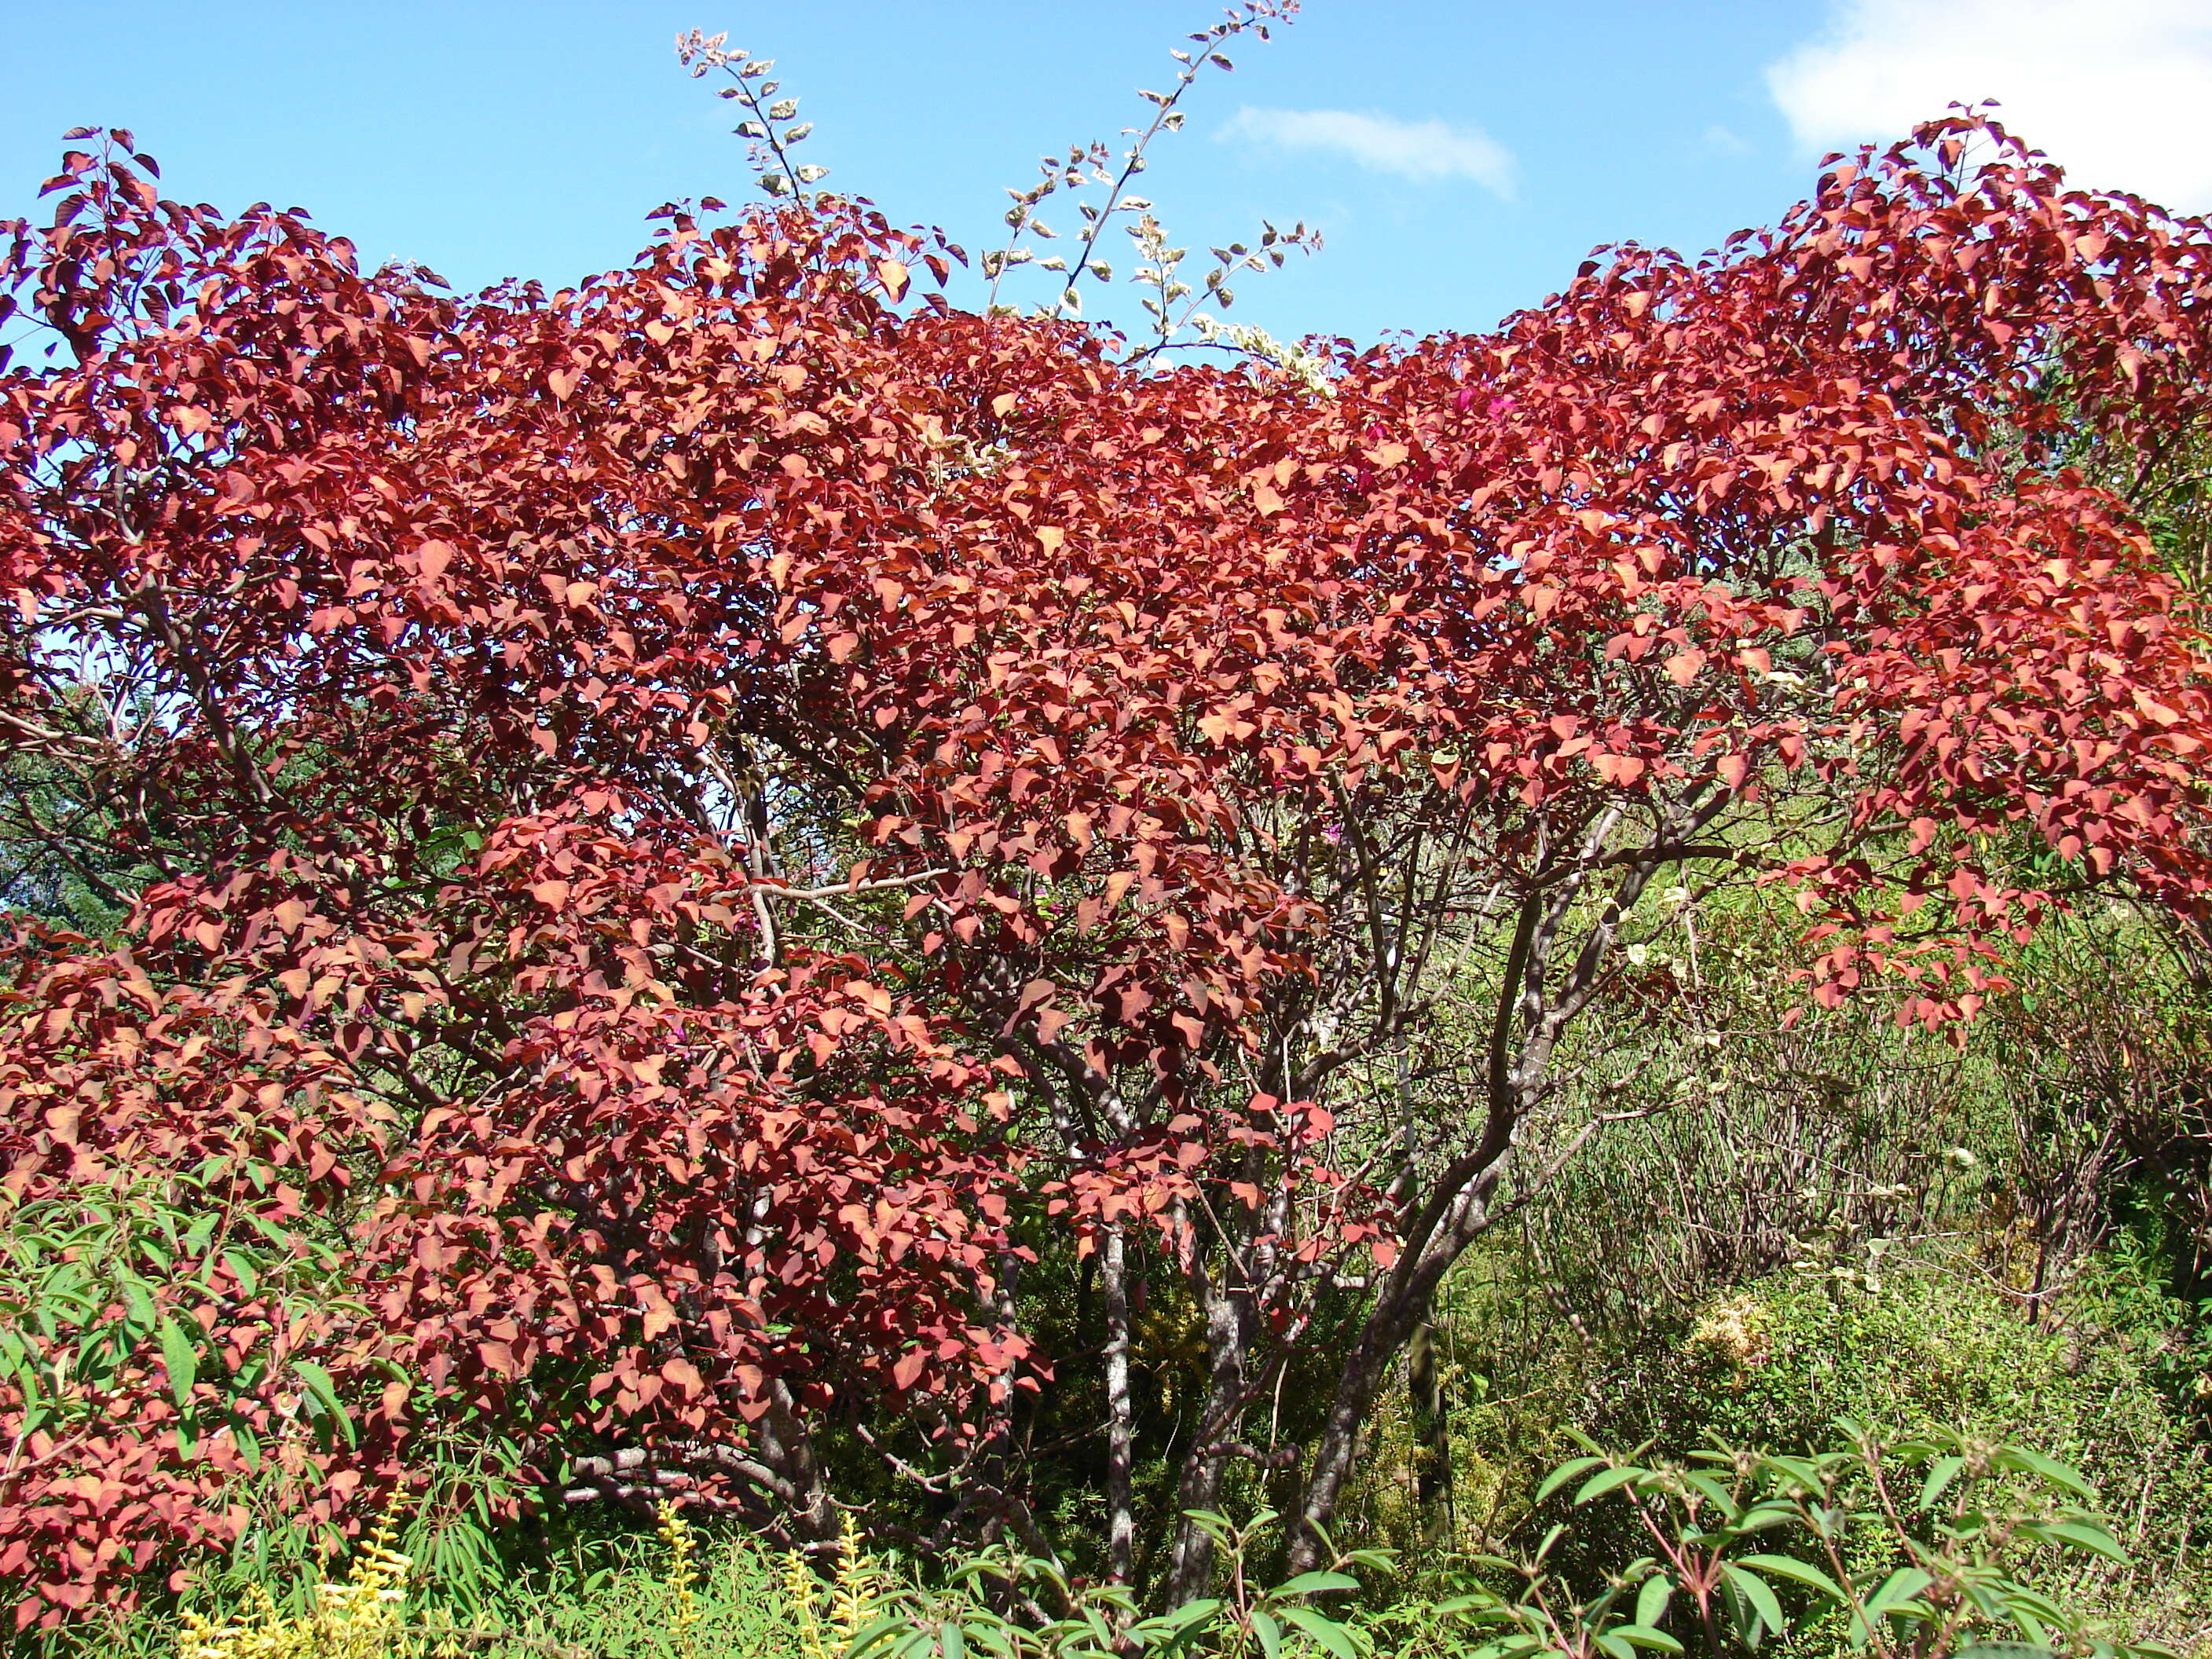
point(461, 631)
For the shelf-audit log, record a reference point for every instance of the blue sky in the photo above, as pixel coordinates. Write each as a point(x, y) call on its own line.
point(1459, 159)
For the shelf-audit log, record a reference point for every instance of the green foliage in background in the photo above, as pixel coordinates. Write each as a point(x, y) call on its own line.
point(1933, 1547)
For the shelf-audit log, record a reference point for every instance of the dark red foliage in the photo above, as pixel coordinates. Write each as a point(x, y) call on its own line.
point(522, 705)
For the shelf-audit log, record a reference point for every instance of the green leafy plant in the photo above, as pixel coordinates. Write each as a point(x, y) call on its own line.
point(1012, 1605)
point(1923, 1548)
point(99, 1279)
point(1249, 1618)
point(361, 1617)
point(996, 1602)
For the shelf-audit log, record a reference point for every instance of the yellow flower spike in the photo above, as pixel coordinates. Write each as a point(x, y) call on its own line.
point(201, 1639)
point(800, 1589)
point(682, 1575)
point(359, 1619)
point(860, 1588)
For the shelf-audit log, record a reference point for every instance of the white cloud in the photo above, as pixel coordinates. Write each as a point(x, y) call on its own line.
point(2118, 92)
point(1423, 151)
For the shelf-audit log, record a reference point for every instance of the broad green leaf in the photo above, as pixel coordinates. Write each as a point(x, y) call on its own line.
point(1800, 1471)
point(1214, 1525)
point(1567, 1472)
point(1760, 1594)
point(1940, 1475)
point(139, 1305)
point(1598, 1485)
point(1337, 1638)
point(1901, 1586)
point(1596, 1612)
point(1645, 1637)
point(242, 1268)
point(180, 1358)
point(269, 1230)
point(2032, 1613)
point(95, 1360)
point(1316, 1583)
point(1480, 1601)
point(1802, 1572)
point(1714, 1493)
point(1763, 1516)
point(2058, 1474)
point(2037, 1630)
point(319, 1384)
point(1509, 1647)
point(324, 1392)
point(1651, 1601)
point(2086, 1534)
point(1190, 1613)
point(1269, 1633)
point(1985, 1597)
point(874, 1634)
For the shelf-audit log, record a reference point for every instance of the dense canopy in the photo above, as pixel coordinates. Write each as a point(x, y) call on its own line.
point(623, 863)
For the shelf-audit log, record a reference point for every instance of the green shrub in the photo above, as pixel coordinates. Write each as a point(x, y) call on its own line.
point(2107, 1380)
